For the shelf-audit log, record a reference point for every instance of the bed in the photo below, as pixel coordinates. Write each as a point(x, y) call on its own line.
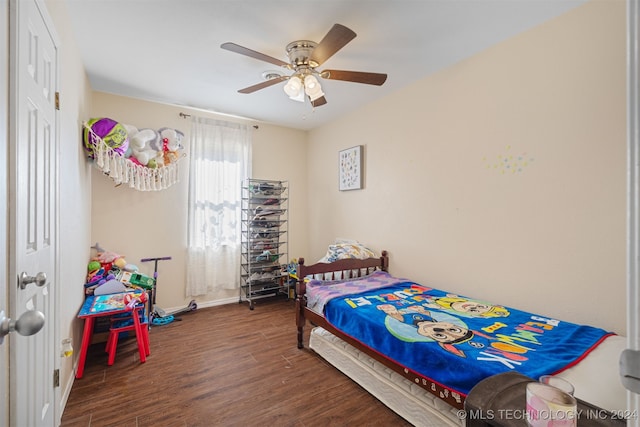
point(413, 360)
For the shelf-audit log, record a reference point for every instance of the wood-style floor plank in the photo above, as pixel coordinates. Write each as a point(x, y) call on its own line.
point(221, 366)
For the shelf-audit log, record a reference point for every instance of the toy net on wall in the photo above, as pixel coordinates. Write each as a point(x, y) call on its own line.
point(112, 154)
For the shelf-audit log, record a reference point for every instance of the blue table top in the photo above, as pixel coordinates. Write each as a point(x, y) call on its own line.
point(101, 305)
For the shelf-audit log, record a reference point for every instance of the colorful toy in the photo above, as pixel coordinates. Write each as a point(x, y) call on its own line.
point(142, 280)
point(142, 143)
point(153, 148)
point(131, 299)
point(96, 281)
point(108, 259)
point(145, 147)
point(171, 139)
point(93, 266)
point(110, 131)
point(130, 267)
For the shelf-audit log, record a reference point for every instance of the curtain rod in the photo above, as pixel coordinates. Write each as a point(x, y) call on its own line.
point(185, 116)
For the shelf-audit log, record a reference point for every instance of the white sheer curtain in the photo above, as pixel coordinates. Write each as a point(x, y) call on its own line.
point(220, 158)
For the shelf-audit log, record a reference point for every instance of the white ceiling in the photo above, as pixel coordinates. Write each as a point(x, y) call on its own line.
point(169, 50)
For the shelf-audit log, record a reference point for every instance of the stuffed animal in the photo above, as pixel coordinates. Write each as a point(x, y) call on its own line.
point(145, 147)
point(109, 131)
point(131, 131)
point(93, 266)
point(171, 139)
point(141, 145)
point(108, 259)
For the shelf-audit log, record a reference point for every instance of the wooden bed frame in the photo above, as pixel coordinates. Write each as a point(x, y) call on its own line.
point(609, 391)
point(359, 268)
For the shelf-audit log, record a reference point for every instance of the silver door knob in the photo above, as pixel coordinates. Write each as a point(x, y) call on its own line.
point(24, 279)
point(29, 323)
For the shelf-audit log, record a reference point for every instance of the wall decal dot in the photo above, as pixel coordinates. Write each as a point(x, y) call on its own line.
point(508, 162)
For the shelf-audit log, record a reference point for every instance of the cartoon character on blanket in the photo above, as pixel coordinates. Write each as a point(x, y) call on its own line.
point(453, 340)
point(446, 333)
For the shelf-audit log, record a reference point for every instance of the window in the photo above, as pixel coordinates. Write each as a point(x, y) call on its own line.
point(220, 159)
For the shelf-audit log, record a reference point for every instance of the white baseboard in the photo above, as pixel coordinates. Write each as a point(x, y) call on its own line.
point(205, 304)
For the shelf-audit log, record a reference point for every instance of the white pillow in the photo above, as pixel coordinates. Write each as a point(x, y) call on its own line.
point(351, 250)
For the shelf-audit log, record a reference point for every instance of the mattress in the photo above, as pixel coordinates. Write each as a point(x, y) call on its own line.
point(409, 400)
point(595, 379)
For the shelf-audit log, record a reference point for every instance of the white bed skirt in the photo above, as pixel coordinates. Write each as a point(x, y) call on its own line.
point(410, 401)
point(595, 380)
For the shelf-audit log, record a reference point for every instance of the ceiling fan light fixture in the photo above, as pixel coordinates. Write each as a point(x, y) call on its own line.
point(316, 95)
point(294, 88)
point(312, 87)
point(311, 83)
point(299, 97)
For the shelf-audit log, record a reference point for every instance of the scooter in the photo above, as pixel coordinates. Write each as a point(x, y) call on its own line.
point(162, 313)
point(157, 315)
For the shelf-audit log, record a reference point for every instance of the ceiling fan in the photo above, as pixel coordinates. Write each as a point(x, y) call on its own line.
point(304, 58)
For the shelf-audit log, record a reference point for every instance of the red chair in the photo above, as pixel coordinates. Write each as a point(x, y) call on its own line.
point(135, 321)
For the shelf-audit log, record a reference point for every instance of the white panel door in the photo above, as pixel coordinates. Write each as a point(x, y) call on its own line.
point(33, 156)
point(4, 100)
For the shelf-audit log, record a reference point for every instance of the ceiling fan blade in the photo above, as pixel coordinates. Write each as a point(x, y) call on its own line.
point(253, 54)
point(337, 37)
point(355, 76)
point(264, 84)
point(318, 102)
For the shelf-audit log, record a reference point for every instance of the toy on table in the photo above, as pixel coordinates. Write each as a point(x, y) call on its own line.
point(103, 271)
point(136, 279)
point(132, 299)
point(107, 259)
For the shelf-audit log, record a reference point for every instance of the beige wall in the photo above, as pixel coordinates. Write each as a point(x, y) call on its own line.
point(502, 177)
point(440, 187)
point(154, 224)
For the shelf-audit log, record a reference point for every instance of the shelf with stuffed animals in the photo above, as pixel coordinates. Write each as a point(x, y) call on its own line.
point(143, 159)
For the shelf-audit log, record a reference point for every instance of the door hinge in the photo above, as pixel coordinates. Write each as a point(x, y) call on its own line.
point(57, 100)
point(56, 377)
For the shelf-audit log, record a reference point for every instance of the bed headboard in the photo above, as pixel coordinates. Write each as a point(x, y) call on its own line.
point(358, 268)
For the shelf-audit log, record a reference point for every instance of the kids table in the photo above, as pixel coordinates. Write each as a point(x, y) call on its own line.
point(104, 306)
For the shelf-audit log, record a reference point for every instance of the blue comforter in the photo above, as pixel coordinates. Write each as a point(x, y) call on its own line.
point(457, 341)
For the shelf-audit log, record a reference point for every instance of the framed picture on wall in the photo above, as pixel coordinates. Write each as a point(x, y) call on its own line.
point(350, 168)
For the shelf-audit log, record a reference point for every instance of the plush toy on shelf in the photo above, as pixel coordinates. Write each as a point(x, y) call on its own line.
point(142, 143)
point(112, 133)
point(146, 159)
point(171, 139)
point(153, 148)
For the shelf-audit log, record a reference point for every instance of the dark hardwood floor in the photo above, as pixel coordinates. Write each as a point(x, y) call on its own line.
point(221, 366)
